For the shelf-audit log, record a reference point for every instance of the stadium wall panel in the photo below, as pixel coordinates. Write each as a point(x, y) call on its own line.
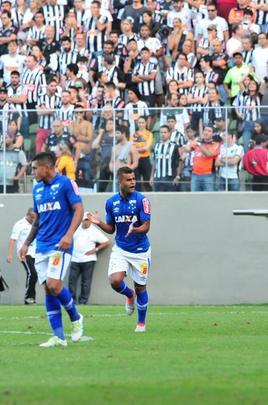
point(201, 253)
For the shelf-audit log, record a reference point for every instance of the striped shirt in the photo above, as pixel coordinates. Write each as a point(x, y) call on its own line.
point(16, 17)
point(212, 112)
point(66, 115)
point(196, 91)
point(95, 42)
point(34, 82)
point(251, 108)
point(146, 87)
point(54, 15)
point(51, 103)
point(211, 76)
point(178, 138)
point(65, 58)
point(166, 157)
point(124, 39)
point(247, 56)
point(16, 92)
point(36, 33)
point(261, 15)
point(181, 75)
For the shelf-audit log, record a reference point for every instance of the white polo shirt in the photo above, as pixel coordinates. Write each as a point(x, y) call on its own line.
point(85, 239)
point(19, 233)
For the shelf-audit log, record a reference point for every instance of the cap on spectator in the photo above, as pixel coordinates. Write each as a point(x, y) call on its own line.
point(85, 216)
point(3, 89)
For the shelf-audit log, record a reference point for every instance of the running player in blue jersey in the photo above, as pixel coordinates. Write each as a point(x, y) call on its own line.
point(59, 212)
point(128, 212)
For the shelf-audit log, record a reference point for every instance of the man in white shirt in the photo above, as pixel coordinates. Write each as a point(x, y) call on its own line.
point(88, 241)
point(19, 233)
point(260, 57)
point(11, 61)
point(219, 22)
point(228, 161)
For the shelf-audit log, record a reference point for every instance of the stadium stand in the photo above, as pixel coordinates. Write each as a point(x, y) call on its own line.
point(92, 66)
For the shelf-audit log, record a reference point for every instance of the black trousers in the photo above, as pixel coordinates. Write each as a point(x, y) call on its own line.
point(143, 171)
point(31, 277)
point(260, 183)
point(85, 270)
point(104, 179)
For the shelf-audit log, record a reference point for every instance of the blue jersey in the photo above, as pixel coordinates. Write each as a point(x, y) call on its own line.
point(53, 202)
point(122, 212)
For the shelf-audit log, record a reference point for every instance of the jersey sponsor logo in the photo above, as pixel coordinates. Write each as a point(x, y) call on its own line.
point(75, 187)
point(126, 218)
point(49, 206)
point(146, 206)
point(116, 202)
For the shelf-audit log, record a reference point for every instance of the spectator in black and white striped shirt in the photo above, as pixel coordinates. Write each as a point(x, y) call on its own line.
point(181, 73)
point(17, 99)
point(37, 31)
point(66, 112)
point(97, 27)
point(144, 74)
point(54, 15)
point(165, 162)
point(47, 103)
point(67, 55)
point(34, 82)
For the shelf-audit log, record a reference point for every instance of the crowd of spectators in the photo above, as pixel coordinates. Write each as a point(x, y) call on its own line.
point(172, 88)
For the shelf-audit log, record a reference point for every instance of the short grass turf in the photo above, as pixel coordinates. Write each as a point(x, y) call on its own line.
point(189, 355)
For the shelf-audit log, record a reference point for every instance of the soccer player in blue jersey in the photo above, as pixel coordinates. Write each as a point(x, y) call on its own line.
point(128, 212)
point(59, 212)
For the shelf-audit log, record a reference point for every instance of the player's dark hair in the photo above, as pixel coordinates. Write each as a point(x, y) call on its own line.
point(124, 170)
point(45, 158)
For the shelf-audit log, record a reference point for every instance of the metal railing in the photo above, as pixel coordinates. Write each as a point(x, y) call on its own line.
point(155, 118)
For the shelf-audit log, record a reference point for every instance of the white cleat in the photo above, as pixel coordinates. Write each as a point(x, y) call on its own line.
point(54, 341)
point(140, 327)
point(77, 331)
point(130, 305)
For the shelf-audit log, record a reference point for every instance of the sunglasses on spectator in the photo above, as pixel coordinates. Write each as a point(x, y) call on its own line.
point(211, 10)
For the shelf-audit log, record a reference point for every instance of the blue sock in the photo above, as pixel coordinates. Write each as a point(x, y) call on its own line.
point(67, 302)
point(124, 290)
point(54, 315)
point(142, 303)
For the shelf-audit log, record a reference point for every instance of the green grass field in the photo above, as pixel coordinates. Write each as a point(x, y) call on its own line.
point(189, 355)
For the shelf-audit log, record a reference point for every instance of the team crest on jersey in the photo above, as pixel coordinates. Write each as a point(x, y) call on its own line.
point(146, 206)
point(144, 268)
point(49, 206)
point(75, 187)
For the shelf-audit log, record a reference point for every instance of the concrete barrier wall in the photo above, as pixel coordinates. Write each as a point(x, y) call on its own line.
point(201, 253)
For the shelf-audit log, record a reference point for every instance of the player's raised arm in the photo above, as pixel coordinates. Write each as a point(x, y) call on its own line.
point(95, 219)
